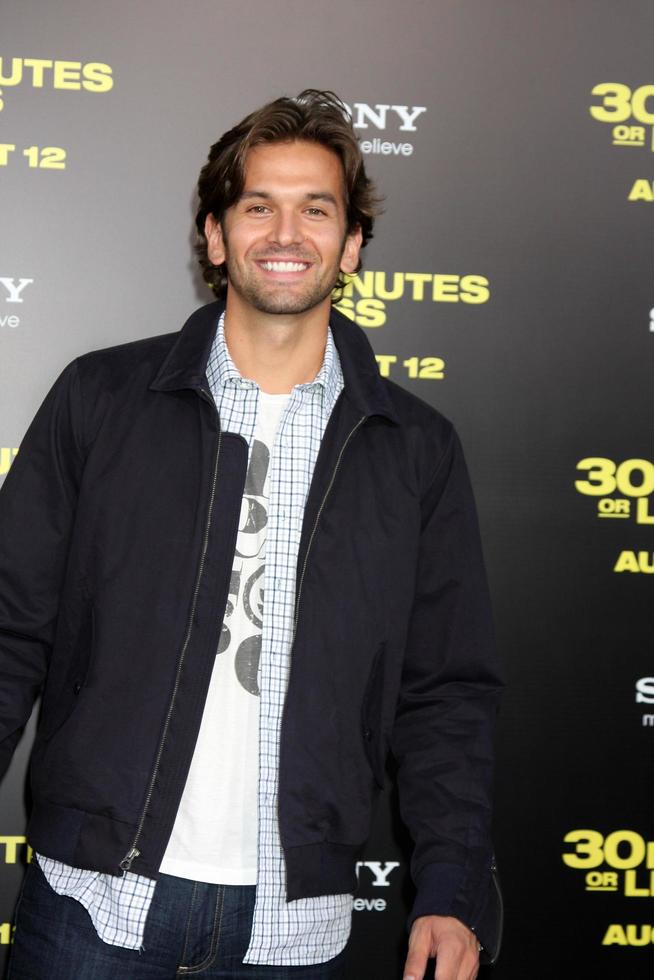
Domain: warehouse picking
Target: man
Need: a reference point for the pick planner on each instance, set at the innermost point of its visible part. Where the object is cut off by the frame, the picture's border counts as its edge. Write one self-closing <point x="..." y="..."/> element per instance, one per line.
<point x="199" y="812"/>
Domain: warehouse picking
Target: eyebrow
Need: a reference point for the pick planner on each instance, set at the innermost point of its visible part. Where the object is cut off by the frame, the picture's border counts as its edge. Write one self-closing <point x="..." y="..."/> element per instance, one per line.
<point x="314" y="196"/>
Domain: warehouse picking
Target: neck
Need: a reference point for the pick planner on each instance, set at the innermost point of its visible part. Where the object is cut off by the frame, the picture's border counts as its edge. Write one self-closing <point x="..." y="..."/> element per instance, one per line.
<point x="278" y="351"/>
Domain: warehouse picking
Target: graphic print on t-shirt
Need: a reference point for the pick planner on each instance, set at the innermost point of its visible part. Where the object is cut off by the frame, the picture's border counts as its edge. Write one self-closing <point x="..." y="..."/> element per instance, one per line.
<point x="245" y="602"/>
<point x="214" y="837"/>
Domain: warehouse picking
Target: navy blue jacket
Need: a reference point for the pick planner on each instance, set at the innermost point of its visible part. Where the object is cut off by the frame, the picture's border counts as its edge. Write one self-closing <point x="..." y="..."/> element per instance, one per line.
<point x="118" y="523"/>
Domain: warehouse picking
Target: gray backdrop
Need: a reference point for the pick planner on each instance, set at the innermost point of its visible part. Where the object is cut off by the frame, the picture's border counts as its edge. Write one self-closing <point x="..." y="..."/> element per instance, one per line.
<point x="516" y="243"/>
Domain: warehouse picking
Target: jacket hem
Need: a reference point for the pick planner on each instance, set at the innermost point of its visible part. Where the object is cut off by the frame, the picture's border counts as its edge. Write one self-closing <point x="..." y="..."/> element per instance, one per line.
<point x="321" y="869"/>
<point x="91" y="841"/>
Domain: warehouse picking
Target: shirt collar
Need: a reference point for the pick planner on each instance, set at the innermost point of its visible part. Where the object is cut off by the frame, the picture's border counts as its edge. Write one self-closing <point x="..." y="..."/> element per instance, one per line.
<point x="222" y="371"/>
<point x="187" y="355"/>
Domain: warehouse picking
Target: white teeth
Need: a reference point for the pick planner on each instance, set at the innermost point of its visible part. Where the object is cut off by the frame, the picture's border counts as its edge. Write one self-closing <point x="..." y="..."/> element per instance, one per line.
<point x="284" y="266"/>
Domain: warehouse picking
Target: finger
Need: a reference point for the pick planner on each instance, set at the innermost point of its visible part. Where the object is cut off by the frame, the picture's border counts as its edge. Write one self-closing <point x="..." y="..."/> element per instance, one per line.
<point x="416" y="961"/>
<point x="474" y="971"/>
<point x="448" y="960"/>
<point x="469" y="968"/>
<point x="415" y="966"/>
<point x="456" y="961"/>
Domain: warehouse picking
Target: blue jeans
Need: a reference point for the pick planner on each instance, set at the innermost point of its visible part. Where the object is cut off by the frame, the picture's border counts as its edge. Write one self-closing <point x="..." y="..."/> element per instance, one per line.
<point x="192" y="929"/>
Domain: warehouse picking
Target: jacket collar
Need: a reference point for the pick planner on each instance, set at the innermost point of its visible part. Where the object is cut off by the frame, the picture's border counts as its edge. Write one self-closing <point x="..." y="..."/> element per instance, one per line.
<point x="186" y="363"/>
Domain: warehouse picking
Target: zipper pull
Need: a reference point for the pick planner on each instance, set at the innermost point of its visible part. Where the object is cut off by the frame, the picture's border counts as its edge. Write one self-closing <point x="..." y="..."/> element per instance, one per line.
<point x="131" y="855"/>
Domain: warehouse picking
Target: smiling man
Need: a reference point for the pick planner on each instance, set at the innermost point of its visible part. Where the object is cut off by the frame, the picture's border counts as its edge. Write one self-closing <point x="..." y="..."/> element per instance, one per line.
<point x="285" y="246"/>
<point x="244" y="568"/>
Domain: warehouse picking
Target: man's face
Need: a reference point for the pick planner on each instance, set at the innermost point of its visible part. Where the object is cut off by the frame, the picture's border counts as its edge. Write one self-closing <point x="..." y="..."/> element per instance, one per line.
<point x="284" y="241"/>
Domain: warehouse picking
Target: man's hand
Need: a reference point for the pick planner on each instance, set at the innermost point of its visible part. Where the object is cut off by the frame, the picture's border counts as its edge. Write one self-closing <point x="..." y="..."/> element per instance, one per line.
<point x="455" y="947"/>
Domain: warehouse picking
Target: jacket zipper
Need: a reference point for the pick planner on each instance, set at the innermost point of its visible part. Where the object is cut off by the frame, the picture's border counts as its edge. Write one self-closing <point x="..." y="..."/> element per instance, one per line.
<point x="133" y="851"/>
<point x="315" y="525"/>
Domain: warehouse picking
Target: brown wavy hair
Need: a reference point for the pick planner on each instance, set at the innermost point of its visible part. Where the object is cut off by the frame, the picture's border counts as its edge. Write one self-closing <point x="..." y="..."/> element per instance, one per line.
<point x="315" y="116"/>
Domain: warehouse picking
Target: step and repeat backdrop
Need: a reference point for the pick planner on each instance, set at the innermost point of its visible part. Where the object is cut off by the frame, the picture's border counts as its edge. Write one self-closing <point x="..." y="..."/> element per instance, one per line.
<point x="510" y="283"/>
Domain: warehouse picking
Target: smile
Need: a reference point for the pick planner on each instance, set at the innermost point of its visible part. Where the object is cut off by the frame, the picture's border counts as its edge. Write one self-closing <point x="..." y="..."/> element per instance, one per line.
<point x="285" y="266"/>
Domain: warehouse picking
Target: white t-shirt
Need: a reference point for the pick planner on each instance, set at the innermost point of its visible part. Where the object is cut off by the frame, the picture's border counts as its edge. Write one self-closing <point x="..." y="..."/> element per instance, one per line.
<point x="214" y="838"/>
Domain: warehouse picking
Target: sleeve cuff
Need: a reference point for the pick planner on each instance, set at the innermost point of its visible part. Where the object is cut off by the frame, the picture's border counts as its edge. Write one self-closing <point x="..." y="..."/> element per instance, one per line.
<point x="439" y="893"/>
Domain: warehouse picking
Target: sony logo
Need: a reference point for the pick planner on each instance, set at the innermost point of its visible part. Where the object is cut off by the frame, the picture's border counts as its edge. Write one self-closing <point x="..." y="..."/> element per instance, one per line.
<point x="14" y="288"/>
<point x="645" y="690"/>
<point x="364" y="115"/>
<point x="379" y="873"/>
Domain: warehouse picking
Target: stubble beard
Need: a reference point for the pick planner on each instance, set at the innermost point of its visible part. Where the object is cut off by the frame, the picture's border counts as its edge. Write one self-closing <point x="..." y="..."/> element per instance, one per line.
<point x="276" y="299"/>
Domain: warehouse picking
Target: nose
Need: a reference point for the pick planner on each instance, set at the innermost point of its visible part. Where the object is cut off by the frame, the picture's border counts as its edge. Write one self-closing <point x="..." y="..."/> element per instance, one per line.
<point x="286" y="229"/>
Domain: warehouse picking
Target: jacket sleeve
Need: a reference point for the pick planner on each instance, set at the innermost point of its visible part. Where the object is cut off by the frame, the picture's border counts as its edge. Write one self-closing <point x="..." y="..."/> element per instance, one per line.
<point x="442" y="733"/>
<point x="37" y="508"/>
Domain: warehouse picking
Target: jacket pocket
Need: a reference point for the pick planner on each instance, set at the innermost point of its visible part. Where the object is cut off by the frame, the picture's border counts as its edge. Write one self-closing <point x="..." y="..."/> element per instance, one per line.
<point x="57" y="713"/>
<point x="374" y="742"/>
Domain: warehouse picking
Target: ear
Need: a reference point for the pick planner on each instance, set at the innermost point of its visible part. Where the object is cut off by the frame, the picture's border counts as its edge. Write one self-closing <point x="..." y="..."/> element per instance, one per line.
<point x="215" y="241"/>
<point x="350" y="256"/>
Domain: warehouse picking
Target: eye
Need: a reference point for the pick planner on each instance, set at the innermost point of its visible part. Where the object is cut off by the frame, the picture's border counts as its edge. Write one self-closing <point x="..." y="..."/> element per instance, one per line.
<point x="316" y="212"/>
<point x="258" y="209"/>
